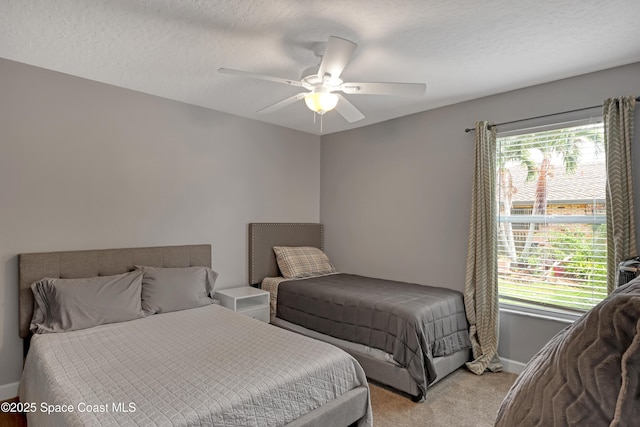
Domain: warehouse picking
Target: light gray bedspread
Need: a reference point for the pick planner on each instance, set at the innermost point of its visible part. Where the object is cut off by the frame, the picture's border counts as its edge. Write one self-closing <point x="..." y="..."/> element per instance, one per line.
<point x="587" y="375"/>
<point x="412" y="322"/>
<point x="204" y="366"/>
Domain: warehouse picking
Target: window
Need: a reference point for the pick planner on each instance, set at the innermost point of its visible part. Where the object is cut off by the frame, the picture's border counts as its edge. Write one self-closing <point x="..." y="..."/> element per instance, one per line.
<point x="552" y="251"/>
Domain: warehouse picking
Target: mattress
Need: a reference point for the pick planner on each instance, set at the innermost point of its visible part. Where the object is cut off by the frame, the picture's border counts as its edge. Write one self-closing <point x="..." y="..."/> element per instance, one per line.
<point x="204" y="366"/>
<point x="413" y="323"/>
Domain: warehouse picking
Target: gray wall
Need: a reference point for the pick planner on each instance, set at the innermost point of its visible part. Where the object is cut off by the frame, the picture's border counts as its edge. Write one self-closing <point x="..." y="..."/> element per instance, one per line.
<point x="85" y="165"/>
<point x="395" y="196"/>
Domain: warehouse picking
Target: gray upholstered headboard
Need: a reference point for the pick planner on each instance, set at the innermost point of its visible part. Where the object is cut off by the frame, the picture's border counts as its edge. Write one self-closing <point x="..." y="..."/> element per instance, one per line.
<point x="264" y="236"/>
<point x="103" y="262"/>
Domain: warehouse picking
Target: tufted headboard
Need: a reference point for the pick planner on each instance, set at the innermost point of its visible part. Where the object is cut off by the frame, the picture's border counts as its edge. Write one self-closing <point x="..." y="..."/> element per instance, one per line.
<point x="264" y="236"/>
<point x="102" y="262"/>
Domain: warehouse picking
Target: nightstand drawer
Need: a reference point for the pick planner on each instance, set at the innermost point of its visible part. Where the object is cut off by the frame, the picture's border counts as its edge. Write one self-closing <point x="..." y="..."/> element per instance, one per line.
<point x="261" y="313"/>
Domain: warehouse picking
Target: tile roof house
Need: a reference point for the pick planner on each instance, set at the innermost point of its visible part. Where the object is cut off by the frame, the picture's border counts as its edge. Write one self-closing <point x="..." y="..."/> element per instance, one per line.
<point x="567" y="193"/>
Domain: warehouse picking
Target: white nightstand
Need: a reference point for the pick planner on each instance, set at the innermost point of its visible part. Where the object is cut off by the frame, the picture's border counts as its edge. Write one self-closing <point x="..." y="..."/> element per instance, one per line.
<point x="249" y="301"/>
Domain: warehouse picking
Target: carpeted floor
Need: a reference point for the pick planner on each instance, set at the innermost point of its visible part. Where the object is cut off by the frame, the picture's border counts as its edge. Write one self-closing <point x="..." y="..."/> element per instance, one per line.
<point x="461" y="399"/>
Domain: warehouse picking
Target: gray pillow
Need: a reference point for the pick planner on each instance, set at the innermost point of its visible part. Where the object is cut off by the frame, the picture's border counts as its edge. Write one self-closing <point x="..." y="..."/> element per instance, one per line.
<point x="172" y="289"/>
<point x="69" y="304"/>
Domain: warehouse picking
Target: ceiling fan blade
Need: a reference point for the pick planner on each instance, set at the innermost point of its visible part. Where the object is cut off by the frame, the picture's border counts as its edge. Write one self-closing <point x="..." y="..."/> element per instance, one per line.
<point x="400" y="89"/>
<point x="348" y="110"/>
<point x="260" y="76"/>
<point x="336" y="57"/>
<point x="281" y="104"/>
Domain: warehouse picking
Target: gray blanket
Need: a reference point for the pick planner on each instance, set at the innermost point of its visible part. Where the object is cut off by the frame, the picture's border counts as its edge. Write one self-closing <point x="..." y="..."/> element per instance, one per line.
<point x="414" y="323"/>
<point x="587" y="375"/>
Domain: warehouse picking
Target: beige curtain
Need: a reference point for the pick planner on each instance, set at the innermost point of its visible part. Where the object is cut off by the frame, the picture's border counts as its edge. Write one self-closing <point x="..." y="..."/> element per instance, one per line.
<point x="618" y="116"/>
<point x="481" y="283"/>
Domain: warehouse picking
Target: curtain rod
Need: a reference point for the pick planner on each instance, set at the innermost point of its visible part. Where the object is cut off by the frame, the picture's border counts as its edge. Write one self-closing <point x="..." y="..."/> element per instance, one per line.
<point x="542" y="117"/>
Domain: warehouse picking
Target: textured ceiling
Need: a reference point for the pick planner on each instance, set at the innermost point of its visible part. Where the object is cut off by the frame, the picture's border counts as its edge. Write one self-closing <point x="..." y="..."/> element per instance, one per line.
<point x="462" y="49"/>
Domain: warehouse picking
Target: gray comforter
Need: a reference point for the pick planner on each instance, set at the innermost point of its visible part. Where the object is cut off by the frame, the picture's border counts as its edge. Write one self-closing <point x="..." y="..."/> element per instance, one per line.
<point x="414" y="323"/>
<point x="588" y="374"/>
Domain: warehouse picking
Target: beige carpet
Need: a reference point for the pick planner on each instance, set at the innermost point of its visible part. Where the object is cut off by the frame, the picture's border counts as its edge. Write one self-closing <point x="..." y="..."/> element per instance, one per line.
<point x="461" y="399"/>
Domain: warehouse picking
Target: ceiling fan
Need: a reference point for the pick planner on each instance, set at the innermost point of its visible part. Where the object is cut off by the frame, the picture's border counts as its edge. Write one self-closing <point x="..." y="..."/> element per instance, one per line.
<point x="323" y="80"/>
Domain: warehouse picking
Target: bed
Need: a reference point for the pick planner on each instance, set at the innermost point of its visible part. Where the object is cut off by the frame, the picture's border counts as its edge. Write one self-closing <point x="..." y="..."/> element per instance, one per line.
<point x="409" y="337"/>
<point x="588" y="374"/>
<point x="199" y="366"/>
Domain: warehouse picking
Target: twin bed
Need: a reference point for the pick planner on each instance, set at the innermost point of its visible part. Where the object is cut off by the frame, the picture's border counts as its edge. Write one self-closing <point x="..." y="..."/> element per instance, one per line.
<point x="199" y="366"/>
<point x="406" y="336"/>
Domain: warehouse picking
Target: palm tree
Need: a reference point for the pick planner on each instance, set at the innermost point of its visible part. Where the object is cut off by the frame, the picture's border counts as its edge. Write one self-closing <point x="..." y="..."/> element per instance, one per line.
<point x="517" y="151"/>
<point x="509" y="154"/>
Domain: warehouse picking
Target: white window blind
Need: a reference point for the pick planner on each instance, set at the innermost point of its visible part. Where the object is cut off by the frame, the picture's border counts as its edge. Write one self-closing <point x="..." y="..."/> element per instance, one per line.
<point x="551" y="217"/>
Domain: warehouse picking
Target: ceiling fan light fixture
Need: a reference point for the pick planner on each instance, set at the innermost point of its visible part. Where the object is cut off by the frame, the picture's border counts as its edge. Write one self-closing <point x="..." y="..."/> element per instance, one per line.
<point x="320" y="81"/>
<point x="321" y="102"/>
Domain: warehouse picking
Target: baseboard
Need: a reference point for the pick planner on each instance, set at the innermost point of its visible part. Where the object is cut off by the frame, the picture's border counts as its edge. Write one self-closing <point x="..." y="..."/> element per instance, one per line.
<point x="512" y="366"/>
<point x="9" y="391"/>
